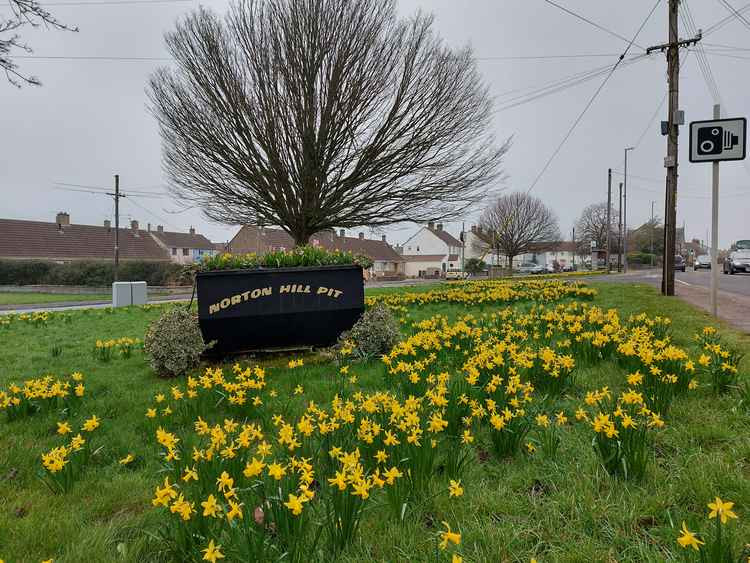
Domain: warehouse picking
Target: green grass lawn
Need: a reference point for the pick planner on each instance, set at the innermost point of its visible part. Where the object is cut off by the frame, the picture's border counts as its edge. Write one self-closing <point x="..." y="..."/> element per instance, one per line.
<point x="561" y="509"/>
<point x="31" y="298"/>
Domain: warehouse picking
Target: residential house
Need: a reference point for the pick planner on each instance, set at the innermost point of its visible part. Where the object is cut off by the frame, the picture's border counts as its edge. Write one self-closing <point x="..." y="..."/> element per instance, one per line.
<point x="431" y="252"/>
<point x="63" y="241"/>
<point x="548" y="253"/>
<point x="544" y="253"/>
<point x="183" y="248"/>
<point x="386" y="262"/>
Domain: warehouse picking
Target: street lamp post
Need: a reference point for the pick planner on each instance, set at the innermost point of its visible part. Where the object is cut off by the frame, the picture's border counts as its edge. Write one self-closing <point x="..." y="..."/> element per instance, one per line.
<point x="625" y="211"/>
<point x="652" y="233"/>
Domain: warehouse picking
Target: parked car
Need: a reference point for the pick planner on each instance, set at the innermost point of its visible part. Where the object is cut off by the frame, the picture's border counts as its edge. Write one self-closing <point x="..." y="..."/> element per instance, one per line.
<point x="568" y="268"/>
<point x="737" y="261"/>
<point x="702" y="261"/>
<point x="531" y="268"/>
<point x="456" y="275"/>
<point x="679" y="263"/>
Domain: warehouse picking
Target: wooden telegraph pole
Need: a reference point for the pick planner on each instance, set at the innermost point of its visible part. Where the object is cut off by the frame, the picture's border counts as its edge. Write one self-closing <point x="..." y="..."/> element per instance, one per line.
<point x="670" y="162"/>
<point x="609" y="219"/>
<point x="117" y="196"/>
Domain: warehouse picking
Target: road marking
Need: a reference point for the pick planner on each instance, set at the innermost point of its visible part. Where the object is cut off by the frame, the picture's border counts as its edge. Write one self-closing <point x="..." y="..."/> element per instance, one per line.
<point x="683" y="282"/>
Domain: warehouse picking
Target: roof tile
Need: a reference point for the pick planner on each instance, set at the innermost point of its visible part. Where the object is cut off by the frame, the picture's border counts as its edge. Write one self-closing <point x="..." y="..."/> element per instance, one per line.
<point x="39" y="240"/>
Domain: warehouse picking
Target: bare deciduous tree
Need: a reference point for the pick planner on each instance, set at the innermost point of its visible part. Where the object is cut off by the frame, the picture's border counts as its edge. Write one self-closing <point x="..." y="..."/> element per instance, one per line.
<point x="313" y="114"/>
<point x="516" y="224"/>
<point x="592" y="226"/>
<point x="23" y="13"/>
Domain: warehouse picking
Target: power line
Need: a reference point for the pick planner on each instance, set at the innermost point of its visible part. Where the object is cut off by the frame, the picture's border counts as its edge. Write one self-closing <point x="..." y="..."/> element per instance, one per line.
<point x="170" y="59"/>
<point x="90" y="58"/>
<point x="561" y="85"/>
<point x="735" y="13"/>
<point x="658" y="181"/>
<point x="113" y="3"/>
<point x="596" y="25"/>
<point x="164" y="221"/>
<point x="650" y="121"/>
<point x="703" y="64"/>
<point x="593" y="98"/>
<point x="724" y="21"/>
<point x="727" y="55"/>
<point x="726" y="47"/>
<point x="103" y="189"/>
<point x="546" y="57"/>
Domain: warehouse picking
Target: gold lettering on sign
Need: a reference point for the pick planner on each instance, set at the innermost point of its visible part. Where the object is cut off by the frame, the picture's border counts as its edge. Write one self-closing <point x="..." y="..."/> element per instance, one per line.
<point x="322" y="290"/>
<point x="239" y="298"/>
<point x="232" y="300"/>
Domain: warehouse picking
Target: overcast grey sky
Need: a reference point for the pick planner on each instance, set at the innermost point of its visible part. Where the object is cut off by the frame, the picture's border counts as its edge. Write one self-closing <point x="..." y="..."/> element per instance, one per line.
<point x="89" y="119"/>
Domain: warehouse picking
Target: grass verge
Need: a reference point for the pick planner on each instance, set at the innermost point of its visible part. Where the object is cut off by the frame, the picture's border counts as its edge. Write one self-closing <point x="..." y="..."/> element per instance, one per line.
<point x="562" y="509"/>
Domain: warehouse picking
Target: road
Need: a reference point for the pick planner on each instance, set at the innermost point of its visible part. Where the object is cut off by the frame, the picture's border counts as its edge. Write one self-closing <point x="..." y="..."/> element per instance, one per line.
<point x="738" y="284"/>
<point x="694" y="287"/>
<point x="67" y="306"/>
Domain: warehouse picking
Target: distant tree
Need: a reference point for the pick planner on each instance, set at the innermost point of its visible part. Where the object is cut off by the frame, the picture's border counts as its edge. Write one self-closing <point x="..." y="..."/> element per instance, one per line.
<point x="475" y="265"/>
<point x="641" y="239"/>
<point x="23" y="13"/>
<point x="316" y="114"/>
<point x="592" y="226"/>
<point x="517" y="223"/>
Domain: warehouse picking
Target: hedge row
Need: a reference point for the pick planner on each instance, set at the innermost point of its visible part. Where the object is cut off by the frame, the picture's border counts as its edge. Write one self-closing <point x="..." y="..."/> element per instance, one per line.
<point x="92" y="274"/>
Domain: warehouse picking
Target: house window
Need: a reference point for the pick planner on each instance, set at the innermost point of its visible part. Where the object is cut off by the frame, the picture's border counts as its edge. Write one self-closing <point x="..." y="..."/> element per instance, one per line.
<point x="186" y="252"/>
<point x="174" y="252"/>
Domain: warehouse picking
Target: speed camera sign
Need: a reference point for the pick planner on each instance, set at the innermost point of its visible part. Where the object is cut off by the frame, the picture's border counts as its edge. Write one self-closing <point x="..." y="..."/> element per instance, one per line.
<point x="719" y="139"/>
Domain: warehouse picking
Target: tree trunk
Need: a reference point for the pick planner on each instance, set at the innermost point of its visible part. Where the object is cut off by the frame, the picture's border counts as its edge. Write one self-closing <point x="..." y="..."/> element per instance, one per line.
<point x="510" y="264"/>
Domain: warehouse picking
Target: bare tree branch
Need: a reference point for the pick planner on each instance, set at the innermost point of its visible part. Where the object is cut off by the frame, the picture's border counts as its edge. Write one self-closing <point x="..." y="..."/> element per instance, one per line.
<point x="516" y="224"/>
<point x="314" y="114"/>
<point x="23" y="13"/>
<point x="592" y="226"/>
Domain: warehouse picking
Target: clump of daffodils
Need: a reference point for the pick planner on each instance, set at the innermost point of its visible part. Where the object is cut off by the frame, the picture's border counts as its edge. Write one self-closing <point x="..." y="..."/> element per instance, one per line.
<point x="64" y="464"/>
<point x="41" y="395"/>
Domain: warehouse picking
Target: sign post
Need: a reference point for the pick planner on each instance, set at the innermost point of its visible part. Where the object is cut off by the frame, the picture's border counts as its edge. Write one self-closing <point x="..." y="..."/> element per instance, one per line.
<point x="714" y="141"/>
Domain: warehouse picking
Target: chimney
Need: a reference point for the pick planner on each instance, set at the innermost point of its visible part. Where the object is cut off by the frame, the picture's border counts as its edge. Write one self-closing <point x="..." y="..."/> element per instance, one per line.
<point x="439" y="226"/>
<point x="192" y="230"/>
<point x="159" y="229"/>
<point x="62" y="219"/>
<point x="383" y="237"/>
<point x="134" y="225"/>
<point x="108" y="224"/>
<point x="148" y="227"/>
<point x="431" y="225"/>
<point x="361" y="236"/>
<point x="342" y="233"/>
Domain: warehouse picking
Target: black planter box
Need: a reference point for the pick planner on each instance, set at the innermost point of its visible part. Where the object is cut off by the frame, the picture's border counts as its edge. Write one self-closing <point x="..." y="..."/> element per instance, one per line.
<point x="271" y="308"/>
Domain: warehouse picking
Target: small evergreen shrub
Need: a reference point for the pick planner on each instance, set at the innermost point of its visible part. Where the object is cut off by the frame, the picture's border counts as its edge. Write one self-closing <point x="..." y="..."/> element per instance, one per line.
<point x="174" y="343"/>
<point x="375" y="333"/>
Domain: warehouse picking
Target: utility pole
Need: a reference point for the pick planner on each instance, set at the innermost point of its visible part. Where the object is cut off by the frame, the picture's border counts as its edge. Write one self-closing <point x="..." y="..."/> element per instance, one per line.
<point x="625" y="211"/>
<point x="619" y="235"/>
<point x="652" y="233"/>
<point x="670" y="162"/>
<point x="574" y="249"/>
<point x="463" y="245"/>
<point x="117" y="224"/>
<point x="609" y="219"/>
